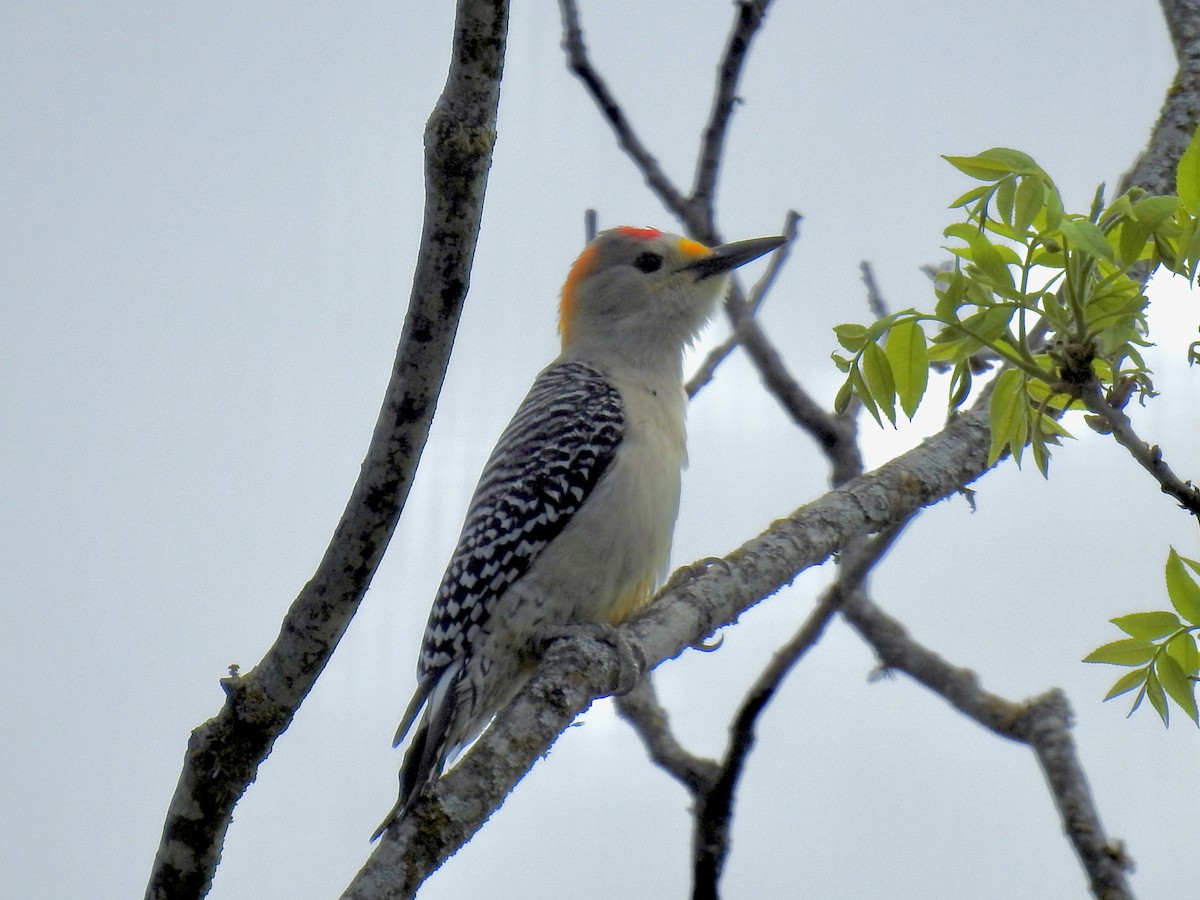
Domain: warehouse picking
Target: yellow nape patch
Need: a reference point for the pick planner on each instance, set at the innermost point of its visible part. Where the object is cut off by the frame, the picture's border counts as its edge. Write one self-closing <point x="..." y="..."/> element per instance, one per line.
<point x="632" y="602"/>
<point x="566" y="308"/>
<point x="693" y="248"/>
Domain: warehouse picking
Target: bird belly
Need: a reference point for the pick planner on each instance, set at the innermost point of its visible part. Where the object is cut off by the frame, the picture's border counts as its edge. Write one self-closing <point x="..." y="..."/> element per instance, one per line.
<point x="604" y="567"/>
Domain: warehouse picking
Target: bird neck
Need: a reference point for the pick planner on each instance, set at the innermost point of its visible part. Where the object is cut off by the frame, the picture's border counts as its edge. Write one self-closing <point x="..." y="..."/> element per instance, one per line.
<point x="636" y="360"/>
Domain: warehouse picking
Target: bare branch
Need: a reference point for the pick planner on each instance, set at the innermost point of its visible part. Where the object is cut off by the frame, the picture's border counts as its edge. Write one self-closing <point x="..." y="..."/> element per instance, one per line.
<point x="224" y="753"/>
<point x="1043" y="723"/>
<point x="640" y="707"/>
<point x="577" y="59"/>
<point x="875" y="301"/>
<point x="830" y="432"/>
<point x="695" y="212"/>
<point x="1154" y="170"/>
<point x="714" y="808"/>
<point x="1149" y="458"/>
<point x="750" y="14"/>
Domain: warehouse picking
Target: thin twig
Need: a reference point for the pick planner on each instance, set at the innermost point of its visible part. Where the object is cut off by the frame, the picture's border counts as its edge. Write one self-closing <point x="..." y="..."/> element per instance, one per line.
<point x="1148" y="457"/>
<point x="579" y="63"/>
<point x="796" y="402"/>
<point x="640" y="707"/>
<point x="750" y="14"/>
<point x="875" y="301"/>
<point x="714" y="808"/>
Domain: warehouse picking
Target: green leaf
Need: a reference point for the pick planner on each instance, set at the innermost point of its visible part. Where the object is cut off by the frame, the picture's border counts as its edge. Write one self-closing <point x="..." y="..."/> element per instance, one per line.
<point x="1006" y="412"/>
<point x="907" y="354"/>
<point x="1127" y="652"/>
<point x="1053" y="207"/>
<point x="1006" y="195"/>
<point x="1153" y="211"/>
<point x="842" y="401"/>
<point x="880" y="327"/>
<point x="878" y="374"/>
<point x="1148" y="626"/>
<point x="1127" y="683"/>
<point x="994" y="164"/>
<point x="971" y="196"/>
<point x="864" y="394"/>
<point x="1189" y="249"/>
<point x="1087" y="237"/>
<point x="960" y="384"/>
<point x="1031" y="196"/>
<point x="1121" y="208"/>
<point x="951" y="293"/>
<point x="1182" y="589"/>
<point x="1154" y="693"/>
<point x="1187" y="176"/>
<point x="1182" y="648"/>
<point x="1130" y="238"/>
<point x="1191" y="564"/>
<point x="1041" y="456"/>
<point x="1178" y="686"/>
<point x="851" y="336"/>
<point x="1097" y="204"/>
<point x="841" y="362"/>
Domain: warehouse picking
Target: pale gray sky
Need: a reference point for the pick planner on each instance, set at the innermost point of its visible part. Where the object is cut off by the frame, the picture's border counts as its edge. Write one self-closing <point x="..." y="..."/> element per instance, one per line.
<point x="209" y="220"/>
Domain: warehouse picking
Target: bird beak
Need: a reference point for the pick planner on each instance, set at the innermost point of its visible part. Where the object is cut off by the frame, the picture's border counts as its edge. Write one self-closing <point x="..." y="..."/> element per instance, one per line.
<point x="727" y="257"/>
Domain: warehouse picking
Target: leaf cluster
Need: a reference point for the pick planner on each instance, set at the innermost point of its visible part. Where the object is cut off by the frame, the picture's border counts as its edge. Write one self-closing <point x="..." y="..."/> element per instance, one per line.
<point x="1160" y="649"/>
<point x="1058" y="298"/>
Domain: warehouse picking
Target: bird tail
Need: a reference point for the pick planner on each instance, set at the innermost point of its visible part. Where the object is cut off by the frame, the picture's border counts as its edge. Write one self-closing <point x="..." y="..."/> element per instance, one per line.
<point x="431" y="743"/>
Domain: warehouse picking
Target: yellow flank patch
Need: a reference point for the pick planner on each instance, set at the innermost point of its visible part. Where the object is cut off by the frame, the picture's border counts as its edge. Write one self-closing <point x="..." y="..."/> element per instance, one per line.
<point x="566" y="309"/>
<point x="693" y="248"/>
<point x="632" y="602"/>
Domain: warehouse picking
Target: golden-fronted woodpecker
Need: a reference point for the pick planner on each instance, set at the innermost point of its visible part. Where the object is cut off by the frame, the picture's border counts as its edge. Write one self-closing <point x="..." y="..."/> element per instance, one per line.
<point x="572" y="519"/>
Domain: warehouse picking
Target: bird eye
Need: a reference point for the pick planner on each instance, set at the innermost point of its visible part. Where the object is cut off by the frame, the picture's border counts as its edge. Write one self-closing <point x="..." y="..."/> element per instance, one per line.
<point x="649" y="262"/>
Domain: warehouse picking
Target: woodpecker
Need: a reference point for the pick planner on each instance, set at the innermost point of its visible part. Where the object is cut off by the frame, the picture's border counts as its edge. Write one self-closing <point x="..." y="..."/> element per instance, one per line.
<point x="572" y="519"/>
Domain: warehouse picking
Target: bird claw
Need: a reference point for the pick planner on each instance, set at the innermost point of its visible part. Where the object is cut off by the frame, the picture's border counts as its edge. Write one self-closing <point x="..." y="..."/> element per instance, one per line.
<point x="685" y="574"/>
<point x="630" y="659"/>
<point x="709" y="646"/>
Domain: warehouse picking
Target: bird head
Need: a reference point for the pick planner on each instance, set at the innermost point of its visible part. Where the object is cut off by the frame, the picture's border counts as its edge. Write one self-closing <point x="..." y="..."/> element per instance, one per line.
<point x="644" y="293"/>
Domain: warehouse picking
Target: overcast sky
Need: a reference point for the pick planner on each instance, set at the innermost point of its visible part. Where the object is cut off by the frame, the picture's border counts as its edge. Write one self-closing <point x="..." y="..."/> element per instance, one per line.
<point x="209" y="218"/>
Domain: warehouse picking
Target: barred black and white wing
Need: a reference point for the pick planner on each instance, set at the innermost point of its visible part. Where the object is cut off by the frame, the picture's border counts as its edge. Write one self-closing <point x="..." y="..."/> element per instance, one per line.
<point x="558" y="445"/>
<point x="546" y="463"/>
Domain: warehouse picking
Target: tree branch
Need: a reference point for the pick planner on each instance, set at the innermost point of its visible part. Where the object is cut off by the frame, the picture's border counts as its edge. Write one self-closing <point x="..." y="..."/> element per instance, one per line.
<point x="1149" y="458"/>
<point x="640" y="707"/>
<point x="1043" y="723"/>
<point x="875" y="301"/>
<point x="1154" y="170"/>
<point x="714" y="807"/>
<point x="575" y="672"/>
<point x="224" y="754"/>
<point x="750" y="15"/>
<point x="577" y="60"/>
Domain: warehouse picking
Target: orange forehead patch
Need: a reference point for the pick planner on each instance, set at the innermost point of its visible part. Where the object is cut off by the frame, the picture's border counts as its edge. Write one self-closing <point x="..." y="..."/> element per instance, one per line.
<point x="693" y="248"/>
<point x="579" y="271"/>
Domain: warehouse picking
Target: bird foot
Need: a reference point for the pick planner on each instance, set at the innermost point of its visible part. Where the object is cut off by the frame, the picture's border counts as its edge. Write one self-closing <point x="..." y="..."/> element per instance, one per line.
<point x="688" y="573"/>
<point x="691" y="572"/>
<point x="632" y="664"/>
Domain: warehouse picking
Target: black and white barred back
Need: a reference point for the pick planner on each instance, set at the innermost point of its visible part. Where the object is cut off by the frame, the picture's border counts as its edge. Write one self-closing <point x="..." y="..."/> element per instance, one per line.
<point x="546" y="463"/>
